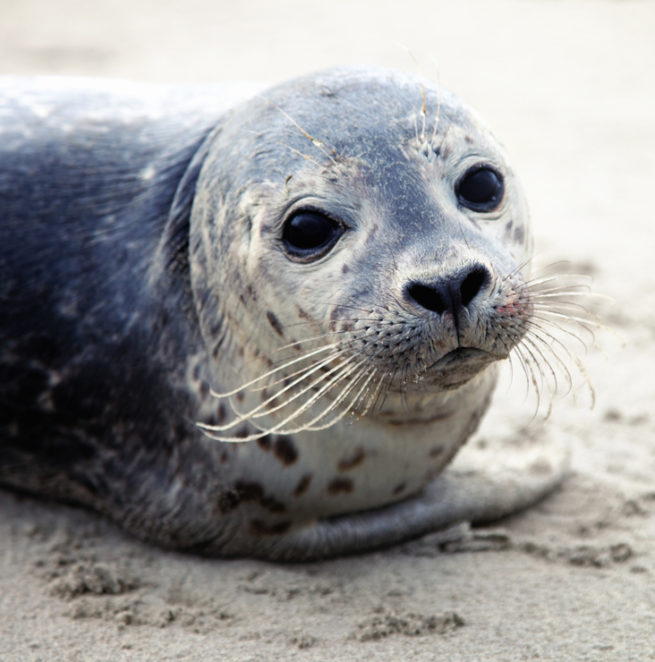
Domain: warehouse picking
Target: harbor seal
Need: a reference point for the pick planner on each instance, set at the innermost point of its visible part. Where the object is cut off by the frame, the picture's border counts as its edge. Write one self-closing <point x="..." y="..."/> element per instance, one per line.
<point x="261" y="330"/>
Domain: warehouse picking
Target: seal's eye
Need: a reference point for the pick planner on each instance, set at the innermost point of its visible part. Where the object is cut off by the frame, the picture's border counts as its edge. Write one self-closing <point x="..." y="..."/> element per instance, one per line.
<point x="480" y="189"/>
<point x="310" y="234"/>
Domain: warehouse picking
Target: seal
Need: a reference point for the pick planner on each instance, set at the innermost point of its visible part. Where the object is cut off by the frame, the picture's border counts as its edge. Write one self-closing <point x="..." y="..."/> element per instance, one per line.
<point x="261" y="329"/>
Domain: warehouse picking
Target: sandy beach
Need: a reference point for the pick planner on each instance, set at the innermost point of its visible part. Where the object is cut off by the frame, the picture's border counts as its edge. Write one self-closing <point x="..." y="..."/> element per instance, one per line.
<point x="568" y="87"/>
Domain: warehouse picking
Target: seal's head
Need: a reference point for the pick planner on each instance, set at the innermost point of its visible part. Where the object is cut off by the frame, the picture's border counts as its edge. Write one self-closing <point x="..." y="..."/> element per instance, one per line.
<point x="375" y="232"/>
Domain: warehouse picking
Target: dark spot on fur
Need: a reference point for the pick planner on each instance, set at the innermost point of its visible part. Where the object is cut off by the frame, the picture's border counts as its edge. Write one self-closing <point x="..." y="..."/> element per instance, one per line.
<point x="251" y="293"/>
<point x="347" y="463"/>
<point x="345" y="269"/>
<point x="242" y="432"/>
<point x="220" y="414"/>
<point x="204" y="389"/>
<point x="265" y="442"/>
<point x="249" y="491"/>
<point x="275" y="323"/>
<point x="262" y="528"/>
<point x="196" y="371"/>
<point x="436" y="451"/>
<point x="240" y="396"/>
<point x="285" y="450"/>
<point x="519" y="235"/>
<point x="228" y="501"/>
<point x="224" y="457"/>
<point x="399" y="488"/>
<point x="508" y="229"/>
<point x="179" y="432"/>
<point x="246" y="491"/>
<point x="371" y="235"/>
<point x="303" y="484"/>
<point x="468" y="139"/>
<point x="340" y="485"/>
<point x="303" y="314"/>
<point x="348" y="326"/>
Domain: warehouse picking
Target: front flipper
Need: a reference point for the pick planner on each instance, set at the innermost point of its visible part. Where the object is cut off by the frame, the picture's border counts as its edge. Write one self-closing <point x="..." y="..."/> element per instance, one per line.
<point x="487" y="481"/>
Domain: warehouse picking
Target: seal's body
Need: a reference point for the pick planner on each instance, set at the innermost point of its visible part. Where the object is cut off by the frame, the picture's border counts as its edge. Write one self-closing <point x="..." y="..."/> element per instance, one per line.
<point x="326" y="274"/>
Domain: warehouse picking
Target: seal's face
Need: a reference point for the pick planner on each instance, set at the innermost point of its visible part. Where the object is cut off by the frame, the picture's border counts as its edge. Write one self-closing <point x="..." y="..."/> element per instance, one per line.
<point x="382" y="252"/>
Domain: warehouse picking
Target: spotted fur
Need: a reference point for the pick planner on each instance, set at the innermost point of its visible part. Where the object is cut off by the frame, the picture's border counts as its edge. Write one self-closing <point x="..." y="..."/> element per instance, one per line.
<point x="155" y="318"/>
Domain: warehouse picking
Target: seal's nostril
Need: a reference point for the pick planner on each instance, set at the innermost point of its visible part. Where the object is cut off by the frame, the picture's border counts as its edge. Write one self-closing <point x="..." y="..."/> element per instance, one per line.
<point x="472" y="284"/>
<point x="451" y="293"/>
<point x="429" y="297"/>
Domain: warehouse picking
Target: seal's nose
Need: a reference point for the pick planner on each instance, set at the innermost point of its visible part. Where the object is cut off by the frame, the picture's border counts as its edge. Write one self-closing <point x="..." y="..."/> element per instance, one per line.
<point x="451" y="293"/>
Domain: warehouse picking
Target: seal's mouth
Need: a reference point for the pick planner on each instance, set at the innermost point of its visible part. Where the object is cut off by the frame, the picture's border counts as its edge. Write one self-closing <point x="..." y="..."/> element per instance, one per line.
<point x="460" y="356"/>
<point x="458" y="366"/>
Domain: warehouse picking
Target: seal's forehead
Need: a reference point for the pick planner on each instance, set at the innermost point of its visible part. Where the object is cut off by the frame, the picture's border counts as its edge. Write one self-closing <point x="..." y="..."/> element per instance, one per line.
<point x="368" y="118"/>
<point x="351" y="102"/>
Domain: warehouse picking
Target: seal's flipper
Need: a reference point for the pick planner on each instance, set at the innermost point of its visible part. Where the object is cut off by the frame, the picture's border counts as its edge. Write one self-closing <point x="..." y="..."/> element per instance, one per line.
<point x="486" y="483"/>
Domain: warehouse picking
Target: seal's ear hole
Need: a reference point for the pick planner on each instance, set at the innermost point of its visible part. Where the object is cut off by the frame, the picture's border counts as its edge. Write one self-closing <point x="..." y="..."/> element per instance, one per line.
<point x="480" y="189"/>
<point x="308" y="235"/>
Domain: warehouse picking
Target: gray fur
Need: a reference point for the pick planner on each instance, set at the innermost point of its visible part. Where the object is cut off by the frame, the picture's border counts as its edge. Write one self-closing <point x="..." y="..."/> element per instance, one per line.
<point x="142" y="268"/>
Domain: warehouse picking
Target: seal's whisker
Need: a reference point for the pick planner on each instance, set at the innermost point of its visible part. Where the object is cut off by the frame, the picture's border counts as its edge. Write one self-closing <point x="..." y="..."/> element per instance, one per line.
<point x="527" y="361"/>
<point x="521" y="360"/>
<point x="279" y="428"/>
<point x="328" y="151"/>
<point x="584" y="332"/>
<point x="416" y="135"/>
<point x="357" y="406"/>
<point x="518" y="269"/>
<point x="570" y="355"/>
<point x="556" y="293"/>
<point x="284" y="379"/>
<point x="306" y="389"/>
<point x="304" y="341"/>
<point x="373" y="320"/>
<point x="304" y="156"/>
<point x="286" y="376"/>
<point x="349" y="306"/>
<point x="372" y="398"/>
<point x="562" y="323"/>
<point x="245" y="386"/>
<point x="566" y="308"/>
<point x="304" y="374"/>
<point x="424" y="104"/>
<point x="530" y="351"/>
<point x="438" y="114"/>
<point x="510" y="363"/>
<point x="569" y="311"/>
<point x="561" y="280"/>
<point x="544" y="337"/>
<point x="345" y="410"/>
<point x="530" y="341"/>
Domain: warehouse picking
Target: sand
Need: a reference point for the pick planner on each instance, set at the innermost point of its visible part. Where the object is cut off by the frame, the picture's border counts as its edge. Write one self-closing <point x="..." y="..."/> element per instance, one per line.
<point x="569" y="88"/>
